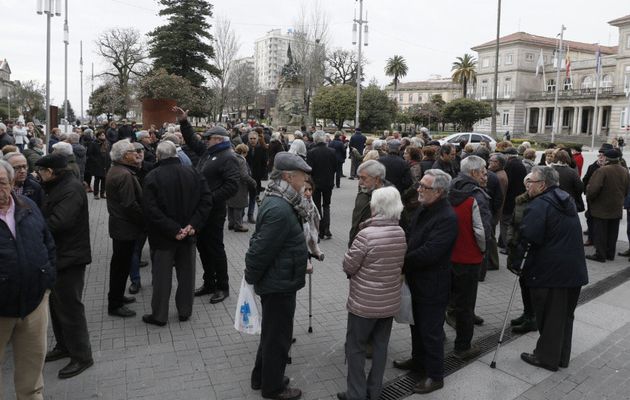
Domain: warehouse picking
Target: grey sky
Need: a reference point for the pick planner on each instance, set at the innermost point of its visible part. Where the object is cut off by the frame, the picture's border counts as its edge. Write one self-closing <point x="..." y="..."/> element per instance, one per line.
<point x="429" y="34"/>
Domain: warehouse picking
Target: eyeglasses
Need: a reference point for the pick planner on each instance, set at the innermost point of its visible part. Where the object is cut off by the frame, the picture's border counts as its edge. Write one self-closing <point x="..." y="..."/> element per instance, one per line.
<point x="20" y="167"/>
<point x="534" y="181"/>
<point x="135" y="151"/>
<point x="424" y="187"/>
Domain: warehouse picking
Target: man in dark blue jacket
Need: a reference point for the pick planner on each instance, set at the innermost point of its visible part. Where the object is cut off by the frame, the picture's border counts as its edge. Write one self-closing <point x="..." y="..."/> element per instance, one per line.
<point x="324" y="163"/>
<point x="340" y="152"/>
<point x="357" y="141"/>
<point x="27" y="273"/>
<point x="431" y="236"/>
<point x="555" y="269"/>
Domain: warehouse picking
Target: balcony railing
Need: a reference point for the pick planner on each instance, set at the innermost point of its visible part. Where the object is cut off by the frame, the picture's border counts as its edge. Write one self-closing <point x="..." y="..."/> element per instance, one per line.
<point x="584" y="93"/>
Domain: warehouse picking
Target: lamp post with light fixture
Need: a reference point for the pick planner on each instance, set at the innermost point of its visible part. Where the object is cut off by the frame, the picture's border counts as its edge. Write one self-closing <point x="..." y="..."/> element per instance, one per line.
<point x="362" y="29"/>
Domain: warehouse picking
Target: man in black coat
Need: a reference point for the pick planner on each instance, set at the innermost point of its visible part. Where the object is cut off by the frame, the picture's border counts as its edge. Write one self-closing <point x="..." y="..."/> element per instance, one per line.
<point x="340" y="151"/>
<point x="27" y="251"/>
<point x="555" y="269"/>
<point x="323" y="161"/>
<point x="126" y="131"/>
<point x="516" y="173"/>
<point x="446" y="160"/>
<point x="176" y="203"/>
<point x="66" y="212"/>
<point x="357" y="141"/>
<point x="431" y="236"/>
<point x="397" y="169"/>
<point x="218" y="164"/>
<point x="601" y="160"/>
<point x="257" y="160"/>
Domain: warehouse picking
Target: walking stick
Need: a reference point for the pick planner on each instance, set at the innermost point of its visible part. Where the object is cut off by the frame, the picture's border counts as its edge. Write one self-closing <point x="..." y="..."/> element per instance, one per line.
<point x="310" y="304"/>
<point x="516" y="271"/>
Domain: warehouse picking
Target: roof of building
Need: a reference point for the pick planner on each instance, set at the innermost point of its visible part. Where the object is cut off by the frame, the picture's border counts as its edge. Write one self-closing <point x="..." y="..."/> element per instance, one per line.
<point x="427" y="85"/>
<point x="620" y="21"/>
<point x="525" y="37"/>
<point x="4" y="65"/>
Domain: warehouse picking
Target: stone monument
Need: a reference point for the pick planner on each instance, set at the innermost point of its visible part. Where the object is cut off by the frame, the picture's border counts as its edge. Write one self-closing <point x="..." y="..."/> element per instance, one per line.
<point x="289" y="110"/>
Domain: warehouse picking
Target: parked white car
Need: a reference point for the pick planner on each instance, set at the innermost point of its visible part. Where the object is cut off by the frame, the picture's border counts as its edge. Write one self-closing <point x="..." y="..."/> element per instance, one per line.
<point x="470" y="137"/>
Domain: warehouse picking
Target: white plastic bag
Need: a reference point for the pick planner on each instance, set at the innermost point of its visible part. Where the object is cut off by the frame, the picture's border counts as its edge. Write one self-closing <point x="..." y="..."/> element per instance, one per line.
<point x="405" y="314"/>
<point x="247" y="318"/>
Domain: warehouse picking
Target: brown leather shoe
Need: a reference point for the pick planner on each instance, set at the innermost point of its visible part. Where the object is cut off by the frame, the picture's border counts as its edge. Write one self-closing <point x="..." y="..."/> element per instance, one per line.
<point x="286" y="394"/>
<point x="406" y="365"/>
<point x="428" y="385"/>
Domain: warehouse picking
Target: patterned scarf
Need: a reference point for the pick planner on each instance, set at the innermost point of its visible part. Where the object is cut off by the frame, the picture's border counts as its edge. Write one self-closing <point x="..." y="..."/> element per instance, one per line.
<point x="281" y="188"/>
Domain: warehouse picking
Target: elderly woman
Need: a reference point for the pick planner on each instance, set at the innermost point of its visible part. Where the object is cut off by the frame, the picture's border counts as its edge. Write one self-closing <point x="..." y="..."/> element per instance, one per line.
<point x="237" y="203"/>
<point x="298" y="147"/>
<point x="373" y="263"/>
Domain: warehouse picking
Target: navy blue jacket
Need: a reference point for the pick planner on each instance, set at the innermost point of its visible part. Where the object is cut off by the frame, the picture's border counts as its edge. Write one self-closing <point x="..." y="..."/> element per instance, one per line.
<point x="357" y="141"/>
<point x="431" y="237"/>
<point x="28" y="264"/>
<point x="340" y="149"/>
<point x="552" y="229"/>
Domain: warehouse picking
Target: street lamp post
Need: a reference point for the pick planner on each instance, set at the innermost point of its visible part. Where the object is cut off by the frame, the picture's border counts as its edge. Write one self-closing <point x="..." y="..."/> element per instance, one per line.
<point x="66" y="41"/>
<point x="556" y="118"/>
<point x="81" y="71"/>
<point x="50" y="8"/>
<point x="495" y="90"/>
<point x="361" y="30"/>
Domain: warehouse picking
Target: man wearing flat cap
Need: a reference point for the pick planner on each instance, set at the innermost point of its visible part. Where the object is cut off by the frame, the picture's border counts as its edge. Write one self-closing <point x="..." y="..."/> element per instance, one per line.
<point x="601" y="159"/>
<point x="275" y="264"/>
<point x="219" y="166"/>
<point x="65" y="209"/>
<point x="605" y="193"/>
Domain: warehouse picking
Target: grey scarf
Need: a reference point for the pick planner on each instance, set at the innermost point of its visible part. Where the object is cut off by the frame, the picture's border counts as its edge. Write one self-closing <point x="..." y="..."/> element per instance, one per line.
<point x="281" y="188"/>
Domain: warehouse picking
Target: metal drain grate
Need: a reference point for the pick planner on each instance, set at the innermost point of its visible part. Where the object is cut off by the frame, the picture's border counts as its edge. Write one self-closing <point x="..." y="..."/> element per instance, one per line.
<point x="402" y="386"/>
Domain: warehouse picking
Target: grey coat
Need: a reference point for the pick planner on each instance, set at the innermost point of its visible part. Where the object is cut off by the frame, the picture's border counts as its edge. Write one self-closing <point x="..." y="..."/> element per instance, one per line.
<point x="246" y="182"/>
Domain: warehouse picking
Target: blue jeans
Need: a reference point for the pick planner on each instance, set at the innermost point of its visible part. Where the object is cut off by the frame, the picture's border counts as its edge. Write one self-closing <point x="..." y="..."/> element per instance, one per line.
<point x="134" y="272"/>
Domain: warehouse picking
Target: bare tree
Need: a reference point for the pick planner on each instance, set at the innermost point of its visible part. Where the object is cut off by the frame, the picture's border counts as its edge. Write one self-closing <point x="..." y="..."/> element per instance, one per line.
<point x="341" y="68"/>
<point x="243" y="88"/>
<point x="123" y="50"/>
<point x="226" y="46"/>
<point x="309" y="48"/>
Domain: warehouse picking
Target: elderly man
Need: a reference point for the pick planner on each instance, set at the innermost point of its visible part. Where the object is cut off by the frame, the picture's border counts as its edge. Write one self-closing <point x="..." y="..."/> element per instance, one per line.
<point x="66" y="212"/>
<point x="323" y="161"/>
<point x="144" y="138"/>
<point x="173" y="218"/>
<point x="357" y="142"/>
<point x="446" y="160"/>
<point x="24" y="183"/>
<point x="34" y="152"/>
<point x="79" y="152"/>
<point x="554" y="269"/>
<point x="431" y="236"/>
<point x="219" y="166"/>
<point x="28" y="269"/>
<point x="606" y="191"/>
<point x="126" y="224"/>
<point x="275" y="264"/>
<point x="5" y="138"/>
<point x="472" y="206"/>
<point x="397" y="169"/>
<point x="371" y="177"/>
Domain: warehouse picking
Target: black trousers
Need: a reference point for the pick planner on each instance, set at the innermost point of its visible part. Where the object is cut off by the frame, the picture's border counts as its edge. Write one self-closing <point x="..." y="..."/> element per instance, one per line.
<point x="322" y="197"/>
<point x="605" y="233"/>
<point x="68" y="314"/>
<point x="99" y="185"/>
<point x="119" y="268"/>
<point x="554" y="308"/>
<point x="338" y="173"/>
<point x="526" y="295"/>
<point x="429" y="296"/>
<point x="212" y="251"/>
<point x="278" y="310"/>
<point x="464" y="281"/>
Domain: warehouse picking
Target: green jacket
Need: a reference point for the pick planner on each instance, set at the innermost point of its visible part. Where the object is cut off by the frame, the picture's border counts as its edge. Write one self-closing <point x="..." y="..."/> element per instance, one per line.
<point x="520" y="204"/>
<point x="276" y="259"/>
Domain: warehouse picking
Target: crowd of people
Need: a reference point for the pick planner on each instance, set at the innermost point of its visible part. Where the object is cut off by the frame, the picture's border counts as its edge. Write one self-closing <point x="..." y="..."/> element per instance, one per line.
<point x="427" y="215"/>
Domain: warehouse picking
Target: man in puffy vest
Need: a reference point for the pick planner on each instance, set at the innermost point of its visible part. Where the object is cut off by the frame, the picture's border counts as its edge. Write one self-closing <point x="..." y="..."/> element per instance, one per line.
<point x="472" y="207"/>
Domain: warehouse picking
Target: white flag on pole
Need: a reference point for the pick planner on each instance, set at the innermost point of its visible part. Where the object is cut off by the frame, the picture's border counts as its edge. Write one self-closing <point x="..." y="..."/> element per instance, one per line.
<point x="541" y="63"/>
<point x="598" y="62"/>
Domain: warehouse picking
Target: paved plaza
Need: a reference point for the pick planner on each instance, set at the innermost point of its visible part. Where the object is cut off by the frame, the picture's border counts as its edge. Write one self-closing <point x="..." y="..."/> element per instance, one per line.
<point x="205" y="358"/>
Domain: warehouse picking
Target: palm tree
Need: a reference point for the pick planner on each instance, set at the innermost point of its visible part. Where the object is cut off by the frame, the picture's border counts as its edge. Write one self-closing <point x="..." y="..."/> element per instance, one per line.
<point x="396" y="67"/>
<point x="464" y="71"/>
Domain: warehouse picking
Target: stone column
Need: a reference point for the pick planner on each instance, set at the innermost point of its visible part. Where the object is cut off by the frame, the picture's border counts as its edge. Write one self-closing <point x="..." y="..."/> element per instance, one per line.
<point x="600" y="113"/>
<point x="560" y="118"/>
<point x="527" y="115"/>
<point x="579" y="123"/>
<point x="575" y="120"/>
<point x="543" y="118"/>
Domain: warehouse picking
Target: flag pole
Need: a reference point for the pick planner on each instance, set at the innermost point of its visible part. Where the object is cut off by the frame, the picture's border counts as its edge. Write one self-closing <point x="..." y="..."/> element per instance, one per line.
<point x="555" y="102"/>
<point x="598" y="73"/>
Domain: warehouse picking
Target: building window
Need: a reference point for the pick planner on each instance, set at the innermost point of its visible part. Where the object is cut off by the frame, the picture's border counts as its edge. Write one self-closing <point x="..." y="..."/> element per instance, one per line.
<point x="606" y="81"/>
<point x="485" y="63"/>
<point x="565" y="118"/>
<point x="507" y="87"/>
<point x="529" y="57"/>
<point x="628" y="42"/>
<point x="505" y="117"/>
<point x="568" y="85"/>
<point x="509" y="59"/>
<point x="551" y="85"/>
<point x="549" y="117"/>
<point x="484" y="89"/>
<point x="587" y="82"/>
<point x="400" y="98"/>
<point x="626" y="80"/>
<point x="411" y="97"/>
<point x="623" y="120"/>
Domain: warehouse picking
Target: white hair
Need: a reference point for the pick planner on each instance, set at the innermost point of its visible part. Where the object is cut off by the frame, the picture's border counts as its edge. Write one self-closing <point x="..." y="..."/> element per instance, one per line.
<point x="63" y="148"/>
<point x="142" y="134"/>
<point x="9" y="168"/>
<point x="13" y="154"/>
<point x="166" y="149"/>
<point x="319" y="137"/>
<point x="373" y="168"/>
<point x="298" y="147"/>
<point x="386" y="203"/>
<point x="472" y="163"/>
<point x="441" y="180"/>
<point x="73" y="138"/>
<point x="119" y="149"/>
<point x="378" y="144"/>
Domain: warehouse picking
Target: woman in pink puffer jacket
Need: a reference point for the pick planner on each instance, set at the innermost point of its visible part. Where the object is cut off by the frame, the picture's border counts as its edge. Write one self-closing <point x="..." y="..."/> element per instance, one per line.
<point x="373" y="264"/>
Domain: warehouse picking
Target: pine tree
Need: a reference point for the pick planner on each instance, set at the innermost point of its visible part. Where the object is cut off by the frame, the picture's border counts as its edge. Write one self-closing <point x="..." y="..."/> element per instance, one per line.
<point x="182" y="45"/>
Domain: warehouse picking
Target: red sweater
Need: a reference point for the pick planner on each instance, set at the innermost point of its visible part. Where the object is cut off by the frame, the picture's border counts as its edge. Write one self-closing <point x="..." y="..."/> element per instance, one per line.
<point x="466" y="249"/>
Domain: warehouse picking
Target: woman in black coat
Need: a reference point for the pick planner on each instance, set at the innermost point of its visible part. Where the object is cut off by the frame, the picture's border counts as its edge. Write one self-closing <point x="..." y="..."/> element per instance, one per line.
<point x="98" y="162"/>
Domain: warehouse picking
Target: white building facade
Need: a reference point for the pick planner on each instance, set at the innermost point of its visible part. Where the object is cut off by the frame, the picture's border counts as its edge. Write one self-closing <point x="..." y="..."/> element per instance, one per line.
<point x="270" y="55"/>
<point x="525" y="100"/>
<point x="5" y="79"/>
<point x="411" y="93"/>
